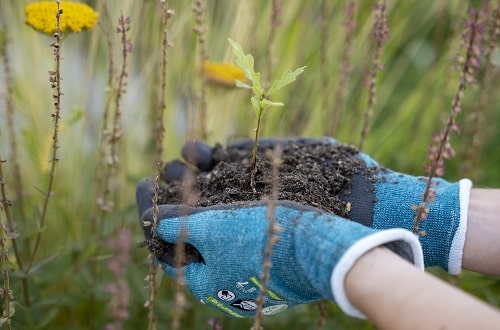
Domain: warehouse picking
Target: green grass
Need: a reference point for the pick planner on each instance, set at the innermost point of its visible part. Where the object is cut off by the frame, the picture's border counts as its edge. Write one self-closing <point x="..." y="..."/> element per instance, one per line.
<point x="414" y="91"/>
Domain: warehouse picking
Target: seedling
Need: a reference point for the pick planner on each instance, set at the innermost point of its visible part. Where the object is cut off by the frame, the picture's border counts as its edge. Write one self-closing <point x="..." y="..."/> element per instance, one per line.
<point x="260" y="99"/>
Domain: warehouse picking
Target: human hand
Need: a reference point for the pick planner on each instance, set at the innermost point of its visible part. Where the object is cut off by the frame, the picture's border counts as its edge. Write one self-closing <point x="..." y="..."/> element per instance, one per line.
<point x="375" y="197"/>
<point x="310" y="259"/>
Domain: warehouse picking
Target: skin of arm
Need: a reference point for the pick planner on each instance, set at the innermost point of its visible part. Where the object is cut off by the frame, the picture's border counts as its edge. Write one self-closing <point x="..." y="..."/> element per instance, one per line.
<point x="482" y="239"/>
<point x="394" y="294"/>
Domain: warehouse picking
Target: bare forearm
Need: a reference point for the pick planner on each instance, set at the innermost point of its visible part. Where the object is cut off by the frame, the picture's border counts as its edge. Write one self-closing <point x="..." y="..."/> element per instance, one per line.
<point x="482" y="240"/>
<point x="394" y="294"/>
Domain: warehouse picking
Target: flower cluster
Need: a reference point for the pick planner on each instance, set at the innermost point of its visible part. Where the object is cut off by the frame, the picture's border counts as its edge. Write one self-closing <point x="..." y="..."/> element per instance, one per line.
<point x="75" y="16"/>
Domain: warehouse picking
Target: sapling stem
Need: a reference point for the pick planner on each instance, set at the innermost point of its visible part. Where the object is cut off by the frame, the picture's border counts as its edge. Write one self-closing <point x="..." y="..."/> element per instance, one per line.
<point x="260" y="100"/>
<point x="256" y="141"/>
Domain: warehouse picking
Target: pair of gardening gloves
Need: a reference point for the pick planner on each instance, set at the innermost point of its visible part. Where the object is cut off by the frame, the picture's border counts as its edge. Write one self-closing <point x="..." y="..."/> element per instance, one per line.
<point x="315" y="249"/>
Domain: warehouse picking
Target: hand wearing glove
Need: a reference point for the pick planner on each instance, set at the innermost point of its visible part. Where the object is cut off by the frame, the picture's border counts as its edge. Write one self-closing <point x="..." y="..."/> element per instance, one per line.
<point x="315" y="251"/>
<point x="386" y="200"/>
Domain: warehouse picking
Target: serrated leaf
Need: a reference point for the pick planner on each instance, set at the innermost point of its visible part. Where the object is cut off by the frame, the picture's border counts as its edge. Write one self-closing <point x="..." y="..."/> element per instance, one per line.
<point x="287" y="78"/>
<point x="255" y="105"/>
<point x="244" y="61"/>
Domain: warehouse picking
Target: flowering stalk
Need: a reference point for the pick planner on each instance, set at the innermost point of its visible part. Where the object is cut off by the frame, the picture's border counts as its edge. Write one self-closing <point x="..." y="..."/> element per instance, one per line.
<point x="472" y="40"/>
<point x="5" y="292"/>
<point x="110" y="140"/>
<point x="273" y="229"/>
<point x="160" y="134"/>
<point x="274" y="24"/>
<point x="9" y="116"/>
<point x="380" y="34"/>
<point x="55" y="84"/>
<point x="120" y="246"/>
<point x="351" y="9"/>
<point x="101" y="174"/>
<point x="199" y="9"/>
<point x="477" y="136"/>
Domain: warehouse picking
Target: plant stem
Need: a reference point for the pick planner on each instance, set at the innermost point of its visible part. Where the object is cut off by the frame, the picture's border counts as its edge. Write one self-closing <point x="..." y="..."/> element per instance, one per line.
<point x="256" y="142"/>
<point x="160" y="135"/>
<point x="381" y="34"/>
<point x="199" y="9"/>
<point x="55" y="80"/>
<point x="273" y="230"/>
<point x="467" y="75"/>
<point x="5" y="292"/>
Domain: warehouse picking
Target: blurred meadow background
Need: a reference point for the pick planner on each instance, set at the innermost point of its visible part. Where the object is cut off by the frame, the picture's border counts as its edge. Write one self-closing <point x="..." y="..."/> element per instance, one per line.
<point x="76" y="262"/>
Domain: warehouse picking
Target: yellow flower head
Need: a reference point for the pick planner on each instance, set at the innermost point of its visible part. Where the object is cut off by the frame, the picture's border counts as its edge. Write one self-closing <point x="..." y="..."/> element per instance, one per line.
<point x="224" y="74"/>
<point x="75" y="16"/>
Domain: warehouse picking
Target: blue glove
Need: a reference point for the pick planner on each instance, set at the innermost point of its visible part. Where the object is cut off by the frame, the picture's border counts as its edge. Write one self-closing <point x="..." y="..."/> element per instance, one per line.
<point x="380" y="199"/>
<point x="314" y="252"/>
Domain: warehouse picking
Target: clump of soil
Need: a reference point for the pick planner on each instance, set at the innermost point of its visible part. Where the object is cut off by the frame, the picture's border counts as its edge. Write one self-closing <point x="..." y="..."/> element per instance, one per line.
<point x="312" y="172"/>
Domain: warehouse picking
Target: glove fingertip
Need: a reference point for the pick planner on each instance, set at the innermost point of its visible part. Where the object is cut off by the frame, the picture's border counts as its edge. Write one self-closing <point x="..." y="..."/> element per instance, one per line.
<point x="144" y="195"/>
<point x="174" y="171"/>
<point x="198" y="154"/>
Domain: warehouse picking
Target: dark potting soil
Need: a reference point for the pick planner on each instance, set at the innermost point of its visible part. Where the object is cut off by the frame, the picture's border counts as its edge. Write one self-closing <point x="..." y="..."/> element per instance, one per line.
<point x="313" y="172"/>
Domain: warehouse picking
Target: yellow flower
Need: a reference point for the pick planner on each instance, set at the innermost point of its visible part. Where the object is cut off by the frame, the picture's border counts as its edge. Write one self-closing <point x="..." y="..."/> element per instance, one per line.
<point x="224" y="74"/>
<point x="75" y="16"/>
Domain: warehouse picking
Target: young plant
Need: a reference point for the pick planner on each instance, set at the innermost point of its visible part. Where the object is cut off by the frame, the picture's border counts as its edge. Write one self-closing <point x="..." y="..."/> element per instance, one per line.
<point x="260" y="99"/>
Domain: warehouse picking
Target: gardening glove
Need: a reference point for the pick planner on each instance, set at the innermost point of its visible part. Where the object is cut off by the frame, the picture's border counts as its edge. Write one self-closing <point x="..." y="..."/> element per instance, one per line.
<point x="310" y="259"/>
<point x="378" y="198"/>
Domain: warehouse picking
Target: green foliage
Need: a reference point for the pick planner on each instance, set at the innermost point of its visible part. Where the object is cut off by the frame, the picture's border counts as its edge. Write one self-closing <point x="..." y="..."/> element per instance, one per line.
<point x="260" y="101"/>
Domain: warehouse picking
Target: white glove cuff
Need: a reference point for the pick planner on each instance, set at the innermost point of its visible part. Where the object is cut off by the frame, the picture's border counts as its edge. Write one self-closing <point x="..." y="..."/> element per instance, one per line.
<point x="400" y="238"/>
<point x="457" y="245"/>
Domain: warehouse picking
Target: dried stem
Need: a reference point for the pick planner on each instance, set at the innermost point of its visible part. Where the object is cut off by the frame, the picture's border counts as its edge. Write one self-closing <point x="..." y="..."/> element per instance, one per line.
<point x="9" y="116"/>
<point x="476" y="134"/>
<point x="323" y="50"/>
<point x="323" y="308"/>
<point x="188" y="198"/>
<point x="275" y="23"/>
<point x="380" y="34"/>
<point x="101" y="190"/>
<point x="160" y="136"/>
<point x="345" y="66"/>
<point x="55" y="83"/>
<point x="472" y="43"/>
<point x="199" y="9"/>
<point x="273" y="230"/>
<point x="10" y="125"/>
<point x="5" y="232"/>
<point x="123" y="28"/>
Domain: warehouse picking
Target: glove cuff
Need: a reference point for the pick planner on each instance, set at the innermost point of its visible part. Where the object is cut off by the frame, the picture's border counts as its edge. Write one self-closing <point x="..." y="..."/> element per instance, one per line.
<point x="457" y="245"/>
<point x="401" y="241"/>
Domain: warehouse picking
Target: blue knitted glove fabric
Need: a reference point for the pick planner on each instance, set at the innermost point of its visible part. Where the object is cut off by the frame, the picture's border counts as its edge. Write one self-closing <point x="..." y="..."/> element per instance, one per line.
<point x="395" y="196"/>
<point x="388" y="199"/>
<point x="444" y="229"/>
<point x="314" y="252"/>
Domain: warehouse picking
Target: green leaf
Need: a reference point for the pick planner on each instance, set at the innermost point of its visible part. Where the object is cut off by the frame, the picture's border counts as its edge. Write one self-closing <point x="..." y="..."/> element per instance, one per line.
<point x="286" y="79"/>
<point x="269" y="103"/>
<point x="241" y="84"/>
<point x="246" y="63"/>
